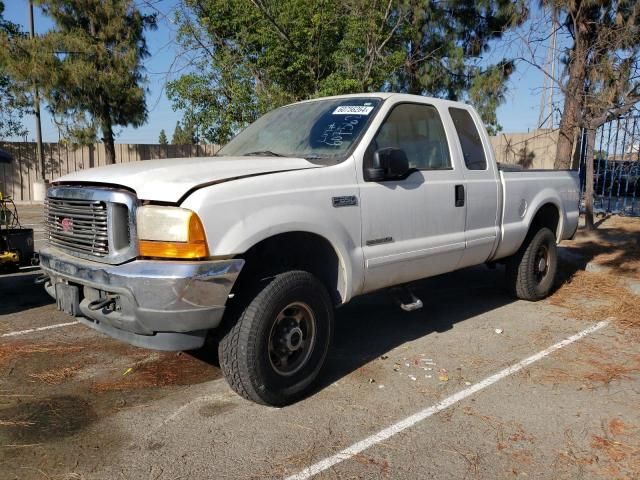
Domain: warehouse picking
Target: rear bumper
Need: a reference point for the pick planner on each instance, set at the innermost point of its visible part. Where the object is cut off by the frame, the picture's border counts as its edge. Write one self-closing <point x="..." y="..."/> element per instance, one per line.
<point x="164" y="305"/>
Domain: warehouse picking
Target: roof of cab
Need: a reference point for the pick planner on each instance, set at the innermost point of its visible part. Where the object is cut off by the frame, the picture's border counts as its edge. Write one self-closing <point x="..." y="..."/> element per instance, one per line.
<point x="384" y="95"/>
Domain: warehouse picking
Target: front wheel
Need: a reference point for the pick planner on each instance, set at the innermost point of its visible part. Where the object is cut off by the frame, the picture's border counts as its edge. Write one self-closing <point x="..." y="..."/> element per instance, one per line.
<point x="279" y="343"/>
<point x="532" y="270"/>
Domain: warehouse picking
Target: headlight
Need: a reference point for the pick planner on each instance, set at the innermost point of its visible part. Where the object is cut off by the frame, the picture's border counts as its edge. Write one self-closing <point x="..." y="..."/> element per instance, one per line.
<point x="170" y="232"/>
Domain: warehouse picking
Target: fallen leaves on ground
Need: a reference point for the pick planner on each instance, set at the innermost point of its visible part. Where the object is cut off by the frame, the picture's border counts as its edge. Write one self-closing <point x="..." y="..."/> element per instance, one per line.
<point x="56" y="376"/>
<point x="598" y="295"/>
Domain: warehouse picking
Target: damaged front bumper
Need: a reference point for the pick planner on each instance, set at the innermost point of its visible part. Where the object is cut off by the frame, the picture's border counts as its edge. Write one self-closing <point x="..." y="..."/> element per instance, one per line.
<point x="163" y="305"/>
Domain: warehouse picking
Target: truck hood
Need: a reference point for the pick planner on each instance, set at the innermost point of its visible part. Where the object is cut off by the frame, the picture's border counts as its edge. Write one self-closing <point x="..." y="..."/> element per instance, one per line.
<point x="169" y="180"/>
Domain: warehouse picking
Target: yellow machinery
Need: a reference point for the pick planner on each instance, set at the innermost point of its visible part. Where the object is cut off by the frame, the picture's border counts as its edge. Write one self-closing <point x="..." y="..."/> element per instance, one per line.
<point x="16" y="243"/>
<point x="9" y="257"/>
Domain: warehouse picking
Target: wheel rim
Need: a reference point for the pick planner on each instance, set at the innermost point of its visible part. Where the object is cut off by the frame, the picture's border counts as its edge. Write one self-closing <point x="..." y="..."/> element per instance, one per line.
<point x="541" y="263"/>
<point x="292" y="338"/>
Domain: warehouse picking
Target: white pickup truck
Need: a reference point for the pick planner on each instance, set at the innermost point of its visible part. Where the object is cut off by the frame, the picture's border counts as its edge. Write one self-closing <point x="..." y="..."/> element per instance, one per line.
<point x="308" y="207"/>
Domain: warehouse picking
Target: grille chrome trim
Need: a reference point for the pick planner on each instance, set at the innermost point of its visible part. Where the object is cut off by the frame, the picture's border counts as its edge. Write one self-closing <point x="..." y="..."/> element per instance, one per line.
<point x="97" y="228"/>
<point x="79" y="226"/>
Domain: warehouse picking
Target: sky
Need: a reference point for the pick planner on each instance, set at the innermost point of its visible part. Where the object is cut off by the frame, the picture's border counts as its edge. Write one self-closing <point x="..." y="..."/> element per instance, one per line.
<point x="519" y="113"/>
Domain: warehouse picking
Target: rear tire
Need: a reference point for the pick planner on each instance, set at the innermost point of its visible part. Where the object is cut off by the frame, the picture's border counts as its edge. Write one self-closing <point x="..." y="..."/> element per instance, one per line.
<point x="532" y="270"/>
<point x="275" y="350"/>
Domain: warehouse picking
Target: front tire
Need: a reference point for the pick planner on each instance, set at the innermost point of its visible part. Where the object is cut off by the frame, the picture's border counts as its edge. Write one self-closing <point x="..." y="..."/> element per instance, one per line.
<point x="279" y="343"/>
<point x="532" y="270"/>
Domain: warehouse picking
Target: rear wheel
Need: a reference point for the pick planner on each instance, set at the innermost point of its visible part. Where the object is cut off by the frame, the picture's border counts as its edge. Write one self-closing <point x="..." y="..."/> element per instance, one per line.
<point x="532" y="270"/>
<point x="279" y="343"/>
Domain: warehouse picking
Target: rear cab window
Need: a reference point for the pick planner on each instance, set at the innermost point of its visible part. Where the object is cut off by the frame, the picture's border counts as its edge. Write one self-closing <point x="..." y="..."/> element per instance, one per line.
<point x="470" y="141"/>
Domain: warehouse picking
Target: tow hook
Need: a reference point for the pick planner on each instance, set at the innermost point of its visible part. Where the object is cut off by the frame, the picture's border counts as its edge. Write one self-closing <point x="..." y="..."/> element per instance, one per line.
<point x="101" y="303"/>
<point x="41" y="279"/>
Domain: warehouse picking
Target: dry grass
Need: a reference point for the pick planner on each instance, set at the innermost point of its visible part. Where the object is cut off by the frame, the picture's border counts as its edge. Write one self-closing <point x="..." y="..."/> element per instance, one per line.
<point x="368" y="461"/>
<point x="594" y="366"/>
<point x="508" y="433"/>
<point x="598" y="295"/>
<point x="608" y="372"/>
<point x="614" y="244"/>
<point x="56" y="376"/>
<point x="12" y="350"/>
<point x="613" y="453"/>
<point x="165" y="370"/>
<point x="626" y="224"/>
<point x="15" y="423"/>
<point x="617" y="427"/>
<point x="618" y="446"/>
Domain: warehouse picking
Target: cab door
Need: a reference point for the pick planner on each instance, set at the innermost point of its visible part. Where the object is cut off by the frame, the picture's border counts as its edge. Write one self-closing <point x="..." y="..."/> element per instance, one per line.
<point x="413" y="227"/>
<point x="482" y="188"/>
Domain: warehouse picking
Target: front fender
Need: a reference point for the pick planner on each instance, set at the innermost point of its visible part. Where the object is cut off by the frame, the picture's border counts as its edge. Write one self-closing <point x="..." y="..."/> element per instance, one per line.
<point x="259" y="226"/>
<point x="238" y="215"/>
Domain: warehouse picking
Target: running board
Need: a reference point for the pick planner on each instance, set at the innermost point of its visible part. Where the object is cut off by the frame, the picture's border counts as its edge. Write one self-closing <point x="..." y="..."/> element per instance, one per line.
<point x="406" y="299"/>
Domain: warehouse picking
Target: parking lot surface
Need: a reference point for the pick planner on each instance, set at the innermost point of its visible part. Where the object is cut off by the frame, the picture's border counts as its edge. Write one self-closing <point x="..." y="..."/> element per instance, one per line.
<point x="75" y="404"/>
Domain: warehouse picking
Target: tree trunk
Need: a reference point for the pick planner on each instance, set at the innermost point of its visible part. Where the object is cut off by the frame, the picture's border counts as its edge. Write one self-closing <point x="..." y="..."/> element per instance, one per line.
<point x="567" y="132"/>
<point x="411" y="72"/>
<point x="411" y="67"/>
<point x="107" y="139"/>
<point x="573" y="103"/>
<point x="588" y="191"/>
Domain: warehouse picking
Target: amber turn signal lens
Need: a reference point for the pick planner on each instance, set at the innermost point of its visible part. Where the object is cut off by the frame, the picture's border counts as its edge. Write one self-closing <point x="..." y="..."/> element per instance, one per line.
<point x="194" y="248"/>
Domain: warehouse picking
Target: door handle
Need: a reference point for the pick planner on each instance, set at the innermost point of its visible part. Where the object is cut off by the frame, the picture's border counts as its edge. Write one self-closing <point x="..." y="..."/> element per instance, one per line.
<point x="459" y="189"/>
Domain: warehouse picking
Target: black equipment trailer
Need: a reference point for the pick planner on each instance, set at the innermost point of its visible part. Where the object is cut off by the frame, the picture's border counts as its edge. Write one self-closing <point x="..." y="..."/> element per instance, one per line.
<point x="16" y="243"/>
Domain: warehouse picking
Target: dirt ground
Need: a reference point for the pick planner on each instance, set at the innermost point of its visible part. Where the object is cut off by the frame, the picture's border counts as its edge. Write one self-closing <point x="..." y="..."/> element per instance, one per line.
<point x="77" y="405"/>
<point x="614" y="245"/>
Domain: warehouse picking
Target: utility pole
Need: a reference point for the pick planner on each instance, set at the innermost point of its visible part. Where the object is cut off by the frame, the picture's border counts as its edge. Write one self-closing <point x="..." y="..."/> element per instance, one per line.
<point x="36" y="104"/>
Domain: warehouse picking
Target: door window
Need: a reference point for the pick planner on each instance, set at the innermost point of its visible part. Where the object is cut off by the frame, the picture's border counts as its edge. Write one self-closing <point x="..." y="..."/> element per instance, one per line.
<point x="470" y="141"/>
<point x="418" y="130"/>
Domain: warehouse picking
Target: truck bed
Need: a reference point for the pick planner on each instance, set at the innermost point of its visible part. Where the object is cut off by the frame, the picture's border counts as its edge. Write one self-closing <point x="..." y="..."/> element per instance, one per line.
<point x="523" y="194"/>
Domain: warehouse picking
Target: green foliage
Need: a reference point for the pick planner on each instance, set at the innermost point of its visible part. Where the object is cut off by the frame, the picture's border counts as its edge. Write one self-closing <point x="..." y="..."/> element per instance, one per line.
<point x="183" y="135"/>
<point x="162" y="138"/>
<point x="88" y="67"/>
<point x="486" y="91"/>
<point x="12" y="106"/>
<point x="252" y="55"/>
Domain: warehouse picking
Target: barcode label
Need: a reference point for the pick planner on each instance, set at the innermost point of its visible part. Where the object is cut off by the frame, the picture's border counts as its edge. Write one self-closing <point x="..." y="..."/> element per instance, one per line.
<point x="353" y="110"/>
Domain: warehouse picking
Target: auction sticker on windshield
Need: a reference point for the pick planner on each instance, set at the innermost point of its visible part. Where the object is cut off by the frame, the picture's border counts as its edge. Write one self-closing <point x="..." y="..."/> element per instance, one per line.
<point x="353" y="110"/>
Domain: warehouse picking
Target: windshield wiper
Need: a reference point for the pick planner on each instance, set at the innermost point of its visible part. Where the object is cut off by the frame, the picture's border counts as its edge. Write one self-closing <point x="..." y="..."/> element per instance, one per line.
<point x="262" y="153"/>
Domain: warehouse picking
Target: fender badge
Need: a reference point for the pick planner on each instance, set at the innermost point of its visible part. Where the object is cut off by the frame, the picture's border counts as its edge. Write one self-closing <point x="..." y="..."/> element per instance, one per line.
<point x="346" y="201"/>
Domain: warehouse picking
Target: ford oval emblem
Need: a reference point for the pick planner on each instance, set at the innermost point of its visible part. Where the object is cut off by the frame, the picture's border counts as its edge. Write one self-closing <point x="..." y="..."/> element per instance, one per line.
<point x="66" y="224"/>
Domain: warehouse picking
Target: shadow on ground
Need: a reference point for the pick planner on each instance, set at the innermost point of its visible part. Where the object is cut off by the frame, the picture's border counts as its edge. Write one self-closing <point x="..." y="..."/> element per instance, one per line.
<point x="373" y="325"/>
<point x="19" y="292"/>
<point x="615" y="247"/>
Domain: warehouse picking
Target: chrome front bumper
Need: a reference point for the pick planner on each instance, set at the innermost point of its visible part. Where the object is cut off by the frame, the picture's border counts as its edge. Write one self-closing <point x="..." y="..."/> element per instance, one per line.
<point x="164" y="305"/>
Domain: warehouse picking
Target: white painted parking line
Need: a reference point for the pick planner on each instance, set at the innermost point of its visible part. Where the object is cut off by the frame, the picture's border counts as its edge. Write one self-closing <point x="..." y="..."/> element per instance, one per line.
<point x="408" y="422"/>
<point x="39" y="329"/>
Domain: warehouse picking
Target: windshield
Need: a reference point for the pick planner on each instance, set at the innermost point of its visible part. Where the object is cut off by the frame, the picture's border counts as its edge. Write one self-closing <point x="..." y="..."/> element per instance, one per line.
<point x="318" y="130"/>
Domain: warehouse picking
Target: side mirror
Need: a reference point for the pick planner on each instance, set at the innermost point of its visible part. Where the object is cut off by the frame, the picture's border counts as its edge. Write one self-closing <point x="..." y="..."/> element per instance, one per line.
<point x="388" y="164"/>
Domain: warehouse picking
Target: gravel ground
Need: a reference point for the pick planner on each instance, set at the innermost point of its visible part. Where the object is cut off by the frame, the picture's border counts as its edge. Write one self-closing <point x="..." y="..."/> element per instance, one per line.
<point x="77" y="405"/>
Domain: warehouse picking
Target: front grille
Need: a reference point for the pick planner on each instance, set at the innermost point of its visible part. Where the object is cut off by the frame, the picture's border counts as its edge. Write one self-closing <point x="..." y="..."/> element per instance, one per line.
<point x="79" y="226"/>
<point x="95" y="223"/>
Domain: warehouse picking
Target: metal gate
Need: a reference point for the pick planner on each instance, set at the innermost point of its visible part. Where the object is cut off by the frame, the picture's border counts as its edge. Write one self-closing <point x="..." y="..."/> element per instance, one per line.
<point x="616" y="167"/>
